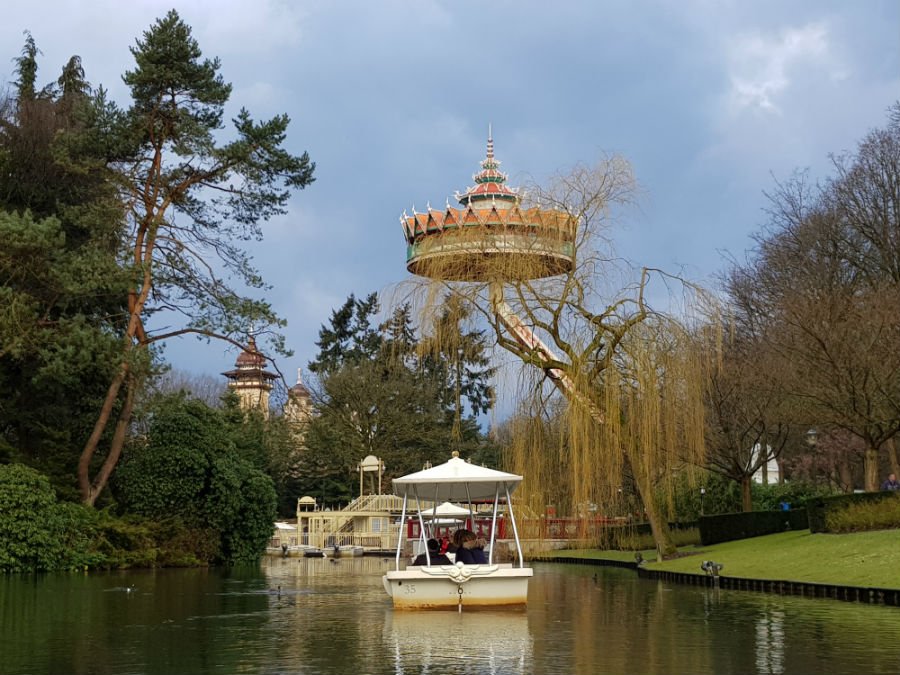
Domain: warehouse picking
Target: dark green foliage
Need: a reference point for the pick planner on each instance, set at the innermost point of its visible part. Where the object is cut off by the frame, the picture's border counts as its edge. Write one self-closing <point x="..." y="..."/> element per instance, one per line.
<point x="746" y="524"/>
<point x="37" y="533"/>
<point x="167" y="474"/>
<point x="722" y="495"/>
<point x="31" y="528"/>
<point x="794" y="493"/>
<point x="821" y="508"/>
<point x="60" y="283"/>
<point x="250" y="529"/>
<point x="189" y="468"/>
<point x="384" y="391"/>
<point x="350" y="337"/>
<point x="26" y="69"/>
<point x="112" y="179"/>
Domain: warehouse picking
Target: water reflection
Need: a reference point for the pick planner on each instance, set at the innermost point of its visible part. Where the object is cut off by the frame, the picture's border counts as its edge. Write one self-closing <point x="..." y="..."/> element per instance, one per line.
<point x="770" y="643"/>
<point x="315" y="617"/>
<point x="461" y="642"/>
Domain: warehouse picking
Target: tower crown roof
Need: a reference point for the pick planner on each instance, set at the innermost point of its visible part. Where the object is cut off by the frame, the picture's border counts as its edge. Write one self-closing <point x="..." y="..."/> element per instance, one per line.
<point x="490" y="183"/>
<point x="299" y="390"/>
<point x="250" y="363"/>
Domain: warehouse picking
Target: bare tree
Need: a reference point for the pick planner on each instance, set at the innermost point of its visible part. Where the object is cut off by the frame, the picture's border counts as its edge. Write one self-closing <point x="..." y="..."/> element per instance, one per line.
<point x="628" y="371"/>
<point x="746" y="417"/>
<point x="822" y="293"/>
<point x="206" y="388"/>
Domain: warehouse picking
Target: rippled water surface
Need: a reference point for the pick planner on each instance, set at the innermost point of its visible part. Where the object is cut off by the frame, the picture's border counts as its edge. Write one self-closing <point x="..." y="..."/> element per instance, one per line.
<point x="311" y="616"/>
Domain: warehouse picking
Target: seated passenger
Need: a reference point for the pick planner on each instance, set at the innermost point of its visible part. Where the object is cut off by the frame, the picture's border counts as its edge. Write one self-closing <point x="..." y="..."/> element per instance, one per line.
<point x="434" y="551"/>
<point x="470" y="549"/>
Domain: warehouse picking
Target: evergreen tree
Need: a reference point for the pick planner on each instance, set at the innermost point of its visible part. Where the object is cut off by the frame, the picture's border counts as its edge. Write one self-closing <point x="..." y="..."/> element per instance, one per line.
<point x="383" y="393"/>
<point x="61" y="287"/>
<point x="165" y="159"/>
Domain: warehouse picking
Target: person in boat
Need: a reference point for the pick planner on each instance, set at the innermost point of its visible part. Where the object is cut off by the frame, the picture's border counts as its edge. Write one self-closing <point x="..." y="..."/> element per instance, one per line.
<point x="434" y="551"/>
<point x="469" y="549"/>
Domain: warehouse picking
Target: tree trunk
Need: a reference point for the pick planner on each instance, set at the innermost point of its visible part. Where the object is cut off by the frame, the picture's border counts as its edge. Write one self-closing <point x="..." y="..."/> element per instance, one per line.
<point x="659" y="525"/>
<point x="118" y="441"/>
<point x="871" y="469"/>
<point x="892" y="456"/>
<point x="746" y="493"/>
<point x="90" y="447"/>
<point x="845" y="475"/>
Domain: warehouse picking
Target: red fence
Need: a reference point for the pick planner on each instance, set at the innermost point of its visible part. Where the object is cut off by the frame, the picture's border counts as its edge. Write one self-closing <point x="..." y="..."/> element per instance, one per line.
<point x="529" y="528"/>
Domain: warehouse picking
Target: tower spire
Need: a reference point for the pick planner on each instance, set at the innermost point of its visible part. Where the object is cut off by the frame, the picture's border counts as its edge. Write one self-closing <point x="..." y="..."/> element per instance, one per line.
<point x="490" y="143"/>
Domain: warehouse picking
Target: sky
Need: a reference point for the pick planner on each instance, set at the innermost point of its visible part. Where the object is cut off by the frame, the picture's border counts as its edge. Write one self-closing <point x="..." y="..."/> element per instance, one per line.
<point x="711" y="102"/>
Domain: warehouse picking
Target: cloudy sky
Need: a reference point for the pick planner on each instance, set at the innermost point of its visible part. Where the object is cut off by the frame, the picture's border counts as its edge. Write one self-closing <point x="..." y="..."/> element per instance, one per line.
<point x="710" y="100"/>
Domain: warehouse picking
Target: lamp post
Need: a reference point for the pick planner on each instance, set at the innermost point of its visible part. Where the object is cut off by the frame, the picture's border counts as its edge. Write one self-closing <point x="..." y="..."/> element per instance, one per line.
<point x="812" y="438"/>
<point x="702" y="495"/>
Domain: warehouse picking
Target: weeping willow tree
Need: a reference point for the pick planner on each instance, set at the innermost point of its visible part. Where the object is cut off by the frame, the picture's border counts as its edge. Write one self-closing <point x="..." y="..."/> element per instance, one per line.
<point x="581" y="322"/>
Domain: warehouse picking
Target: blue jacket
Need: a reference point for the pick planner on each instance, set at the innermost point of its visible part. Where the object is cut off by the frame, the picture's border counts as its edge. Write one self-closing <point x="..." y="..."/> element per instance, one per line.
<point x="471" y="556"/>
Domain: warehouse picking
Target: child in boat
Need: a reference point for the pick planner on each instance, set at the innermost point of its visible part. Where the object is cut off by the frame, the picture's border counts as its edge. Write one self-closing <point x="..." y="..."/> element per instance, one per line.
<point x="470" y="550"/>
<point x="434" y="551"/>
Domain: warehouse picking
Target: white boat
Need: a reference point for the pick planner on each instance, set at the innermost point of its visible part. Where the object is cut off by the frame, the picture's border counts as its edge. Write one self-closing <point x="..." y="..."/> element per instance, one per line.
<point x="457" y="586"/>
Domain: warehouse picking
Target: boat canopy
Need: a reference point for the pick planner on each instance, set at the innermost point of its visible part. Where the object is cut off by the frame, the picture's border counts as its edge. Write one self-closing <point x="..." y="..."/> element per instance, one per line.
<point x="446" y="511"/>
<point x="456" y="481"/>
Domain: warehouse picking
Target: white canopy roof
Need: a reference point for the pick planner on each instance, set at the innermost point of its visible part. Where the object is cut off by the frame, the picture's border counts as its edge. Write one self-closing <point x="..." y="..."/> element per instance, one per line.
<point x="445" y="510"/>
<point x="456" y="481"/>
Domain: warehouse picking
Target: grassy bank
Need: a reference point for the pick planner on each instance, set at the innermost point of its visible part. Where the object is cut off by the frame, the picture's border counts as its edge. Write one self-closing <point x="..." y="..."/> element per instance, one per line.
<point x="857" y="559"/>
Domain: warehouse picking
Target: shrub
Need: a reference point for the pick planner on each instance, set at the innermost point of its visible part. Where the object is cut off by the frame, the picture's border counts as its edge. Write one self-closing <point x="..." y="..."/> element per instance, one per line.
<point x="795" y="493"/>
<point x="732" y="526"/>
<point x="190" y="472"/>
<point x="31" y="527"/>
<point x="639" y="536"/>
<point x="688" y="536"/>
<point x="821" y="508"/>
<point x="860" y="516"/>
<point x="722" y="495"/>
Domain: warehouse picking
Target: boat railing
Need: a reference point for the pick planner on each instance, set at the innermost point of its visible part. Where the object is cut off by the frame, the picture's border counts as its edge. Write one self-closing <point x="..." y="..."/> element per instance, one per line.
<point x="380" y="541"/>
<point x="389" y="503"/>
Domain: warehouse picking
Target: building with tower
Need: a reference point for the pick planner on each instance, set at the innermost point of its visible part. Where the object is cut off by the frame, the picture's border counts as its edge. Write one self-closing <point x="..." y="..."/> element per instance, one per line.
<point x="299" y="407"/>
<point x="250" y="380"/>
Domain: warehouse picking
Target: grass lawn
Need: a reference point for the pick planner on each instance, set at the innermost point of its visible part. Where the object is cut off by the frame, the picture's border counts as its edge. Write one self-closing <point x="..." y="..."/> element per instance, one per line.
<point x="857" y="559"/>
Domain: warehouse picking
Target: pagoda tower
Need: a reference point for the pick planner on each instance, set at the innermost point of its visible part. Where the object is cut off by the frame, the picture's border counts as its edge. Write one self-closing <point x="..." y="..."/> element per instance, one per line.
<point x="491" y="236"/>
<point x="250" y="380"/>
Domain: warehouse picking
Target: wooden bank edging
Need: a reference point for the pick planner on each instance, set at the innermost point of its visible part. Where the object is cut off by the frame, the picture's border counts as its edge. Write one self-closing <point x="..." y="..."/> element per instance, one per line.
<point x="880" y="596"/>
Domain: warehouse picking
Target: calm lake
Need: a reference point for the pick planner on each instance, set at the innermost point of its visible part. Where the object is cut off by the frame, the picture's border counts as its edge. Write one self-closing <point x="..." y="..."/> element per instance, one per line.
<point x="334" y="617"/>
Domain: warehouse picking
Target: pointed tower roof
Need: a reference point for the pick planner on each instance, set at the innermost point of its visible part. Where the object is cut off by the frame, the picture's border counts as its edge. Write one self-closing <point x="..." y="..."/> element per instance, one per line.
<point x="250" y="365"/>
<point x="299" y="390"/>
<point x="490" y="183"/>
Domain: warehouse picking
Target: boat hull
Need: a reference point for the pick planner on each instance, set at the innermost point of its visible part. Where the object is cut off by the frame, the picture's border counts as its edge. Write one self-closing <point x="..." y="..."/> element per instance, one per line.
<point x="455" y="586"/>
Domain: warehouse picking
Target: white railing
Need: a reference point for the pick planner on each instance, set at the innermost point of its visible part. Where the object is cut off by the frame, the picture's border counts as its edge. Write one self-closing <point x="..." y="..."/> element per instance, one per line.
<point x="390" y="503"/>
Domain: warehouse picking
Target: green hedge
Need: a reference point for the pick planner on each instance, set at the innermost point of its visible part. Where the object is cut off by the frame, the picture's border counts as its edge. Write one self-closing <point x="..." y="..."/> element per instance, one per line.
<point x="821" y="507"/>
<point x="731" y="526"/>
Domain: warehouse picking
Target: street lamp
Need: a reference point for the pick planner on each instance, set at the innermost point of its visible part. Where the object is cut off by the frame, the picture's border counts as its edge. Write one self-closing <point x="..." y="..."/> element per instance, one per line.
<point x="702" y="495"/>
<point x="812" y="437"/>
